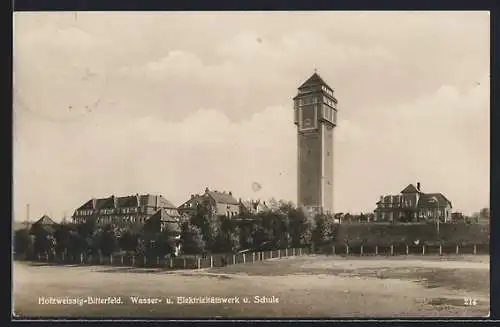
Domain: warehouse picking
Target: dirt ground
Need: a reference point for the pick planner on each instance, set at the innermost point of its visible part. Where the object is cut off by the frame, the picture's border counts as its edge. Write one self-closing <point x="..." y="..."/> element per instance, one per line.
<point x="312" y="286"/>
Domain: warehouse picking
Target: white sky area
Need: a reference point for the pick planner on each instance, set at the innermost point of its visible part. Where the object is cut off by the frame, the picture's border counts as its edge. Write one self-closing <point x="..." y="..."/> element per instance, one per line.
<point x="169" y="103"/>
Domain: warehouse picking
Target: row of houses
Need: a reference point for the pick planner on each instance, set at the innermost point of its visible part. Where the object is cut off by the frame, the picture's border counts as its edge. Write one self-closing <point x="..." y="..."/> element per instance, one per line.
<point x="411" y="204"/>
<point x="158" y="211"/>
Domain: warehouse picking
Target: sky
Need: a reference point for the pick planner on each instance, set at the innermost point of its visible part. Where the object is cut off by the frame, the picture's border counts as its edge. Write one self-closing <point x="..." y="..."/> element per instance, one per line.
<point x="119" y="103"/>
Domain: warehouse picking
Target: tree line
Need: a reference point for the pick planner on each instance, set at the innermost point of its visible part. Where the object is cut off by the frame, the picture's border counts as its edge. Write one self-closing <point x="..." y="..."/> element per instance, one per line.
<point x="201" y="232"/>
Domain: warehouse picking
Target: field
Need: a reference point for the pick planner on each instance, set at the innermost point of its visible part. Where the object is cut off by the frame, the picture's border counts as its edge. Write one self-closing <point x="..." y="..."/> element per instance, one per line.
<point x="309" y="286"/>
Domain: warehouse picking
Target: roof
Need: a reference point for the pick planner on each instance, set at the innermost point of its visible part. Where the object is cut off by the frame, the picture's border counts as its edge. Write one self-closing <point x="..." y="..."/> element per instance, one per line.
<point x="153" y="200"/>
<point x="410" y="189"/>
<point x="428" y="200"/>
<point x="45" y="220"/>
<point x="254" y="205"/>
<point x="89" y="205"/>
<point x="45" y="223"/>
<point x="314" y="80"/>
<point x="222" y="197"/>
<point x="127" y="201"/>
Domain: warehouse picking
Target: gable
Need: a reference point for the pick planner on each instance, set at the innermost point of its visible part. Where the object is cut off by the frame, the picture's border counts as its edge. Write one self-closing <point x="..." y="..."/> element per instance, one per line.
<point x="410" y="189"/>
<point x="45" y="220"/>
<point x="222" y="198"/>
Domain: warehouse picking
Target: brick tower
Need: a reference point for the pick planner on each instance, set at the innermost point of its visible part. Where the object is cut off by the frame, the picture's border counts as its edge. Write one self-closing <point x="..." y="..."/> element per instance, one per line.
<point x="315" y="109"/>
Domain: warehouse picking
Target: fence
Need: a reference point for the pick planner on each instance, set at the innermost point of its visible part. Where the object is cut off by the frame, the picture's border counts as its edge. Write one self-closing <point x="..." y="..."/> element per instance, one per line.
<point x="405" y="249"/>
<point x="180" y="262"/>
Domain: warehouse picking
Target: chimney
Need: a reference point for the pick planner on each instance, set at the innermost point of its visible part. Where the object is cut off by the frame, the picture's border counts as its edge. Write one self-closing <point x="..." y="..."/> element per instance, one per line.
<point x="156" y="202"/>
<point x="418" y="186"/>
<point x="192" y="196"/>
<point x="206" y="189"/>
<point x="94" y="203"/>
<point x="230" y="193"/>
<point x="115" y="201"/>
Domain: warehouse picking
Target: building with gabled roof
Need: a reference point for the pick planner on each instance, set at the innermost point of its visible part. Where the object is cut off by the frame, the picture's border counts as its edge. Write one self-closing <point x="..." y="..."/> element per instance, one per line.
<point x="218" y="203"/>
<point x="413" y="205"/>
<point x="125" y="210"/>
<point x="46" y="223"/>
<point x="253" y="207"/>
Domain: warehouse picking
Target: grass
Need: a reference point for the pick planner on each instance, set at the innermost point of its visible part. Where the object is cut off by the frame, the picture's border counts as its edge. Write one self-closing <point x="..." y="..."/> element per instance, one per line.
<point x="314" y="286"/>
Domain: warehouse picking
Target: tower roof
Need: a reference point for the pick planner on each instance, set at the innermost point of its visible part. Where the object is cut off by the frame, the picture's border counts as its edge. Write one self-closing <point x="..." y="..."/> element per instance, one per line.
<point x="314" y="80"/>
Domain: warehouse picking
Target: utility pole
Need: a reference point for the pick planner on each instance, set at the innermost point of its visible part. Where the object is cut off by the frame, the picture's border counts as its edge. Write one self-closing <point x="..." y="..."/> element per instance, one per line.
<point x="27" y="214"/>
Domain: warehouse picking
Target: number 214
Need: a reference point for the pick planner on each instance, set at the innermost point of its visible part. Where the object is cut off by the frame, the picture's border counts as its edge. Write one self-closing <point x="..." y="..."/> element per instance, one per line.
<point x="470" y="301"/>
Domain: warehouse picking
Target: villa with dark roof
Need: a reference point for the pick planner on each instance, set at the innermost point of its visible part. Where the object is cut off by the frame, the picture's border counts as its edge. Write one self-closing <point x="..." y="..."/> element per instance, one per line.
<point x="413" y="205"/>
<point x="219" y="203"/>
<point x="128" y="210"/>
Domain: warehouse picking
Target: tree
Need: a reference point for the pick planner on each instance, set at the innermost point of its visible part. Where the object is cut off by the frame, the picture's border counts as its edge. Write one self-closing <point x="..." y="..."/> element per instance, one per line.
<point x="300" y="227"/>
<point x="162" y="244"/>
<point x="260" y="237"/>
<point x="77" y="245"/>
<point x="44" y="242"/>
<point x="108" y="242"/>
<point x="234" y="239"/>
<point x="204" y="220"/>
<point x="192" y="239"/>
<point x="23" y="243"/>
<point x="245" y="232"/>
<point x="63" y="238"/>
<point x="319" y="232"/>
<point x="92" y="242"/>
<point x="157" y="243"/>
<point x="273" y="204"/>
<point x="484" y="214"/>
<point x="226" y="235"/>
<point x="128" y="240"/>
